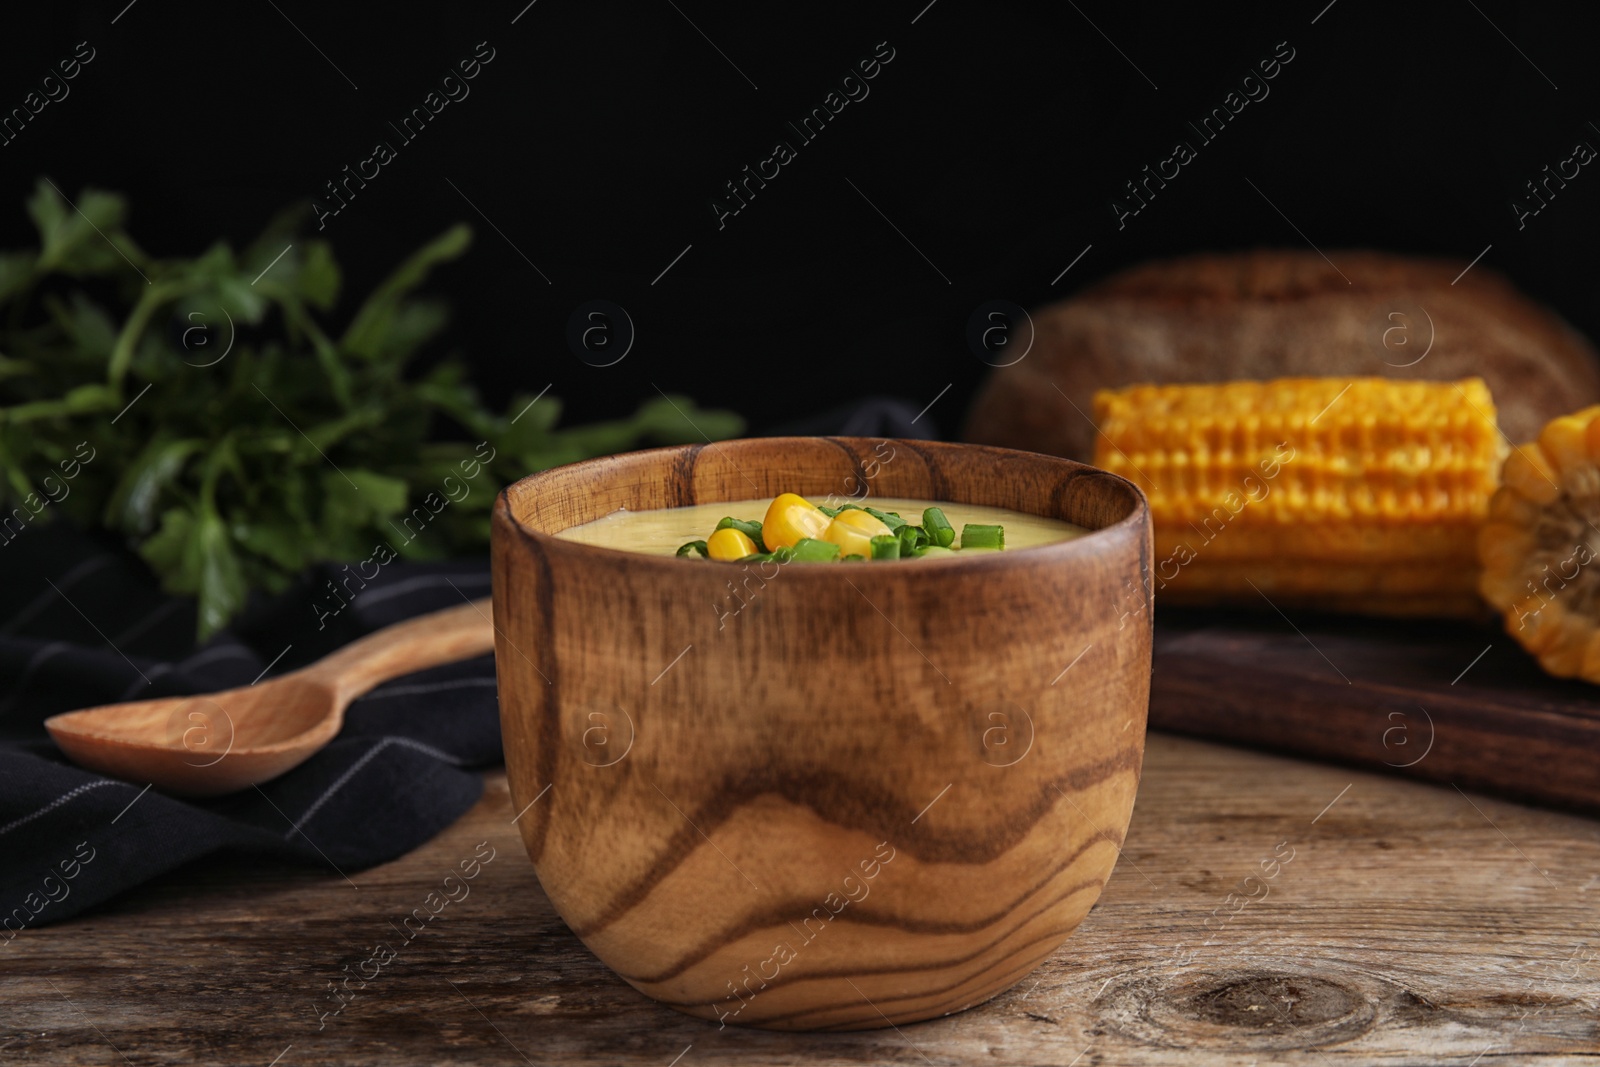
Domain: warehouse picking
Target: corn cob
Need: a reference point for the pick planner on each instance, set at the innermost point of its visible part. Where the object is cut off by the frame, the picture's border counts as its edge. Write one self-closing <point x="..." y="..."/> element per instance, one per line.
<point x="1539" y="547"/>
<point x="1342" y="494"/>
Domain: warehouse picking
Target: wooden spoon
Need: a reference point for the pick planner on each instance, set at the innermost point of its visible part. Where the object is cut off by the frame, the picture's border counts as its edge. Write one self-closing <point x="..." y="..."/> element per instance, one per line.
<point x="216" y="743"/>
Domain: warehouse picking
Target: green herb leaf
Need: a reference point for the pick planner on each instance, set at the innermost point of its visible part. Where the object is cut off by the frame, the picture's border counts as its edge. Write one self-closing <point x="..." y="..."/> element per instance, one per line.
<point x="167" y="551"/>
<point x="674" y="419"/>
<point x="86" y="323"/>
<point x="81" y="239"/>
<point x="133" y="503"/>
<point x="369" y="332"/>
<point x="281" y="541"/>
<point x="317" y="281"/>
<point x="16" y="271"/>
<point x="223" y="589"/>
<point x="213" y="419"/>
<point x="382" y="495"/>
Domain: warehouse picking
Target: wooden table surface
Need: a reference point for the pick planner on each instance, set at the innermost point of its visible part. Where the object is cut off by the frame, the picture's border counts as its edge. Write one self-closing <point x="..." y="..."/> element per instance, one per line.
<point x="1265" y="910"/>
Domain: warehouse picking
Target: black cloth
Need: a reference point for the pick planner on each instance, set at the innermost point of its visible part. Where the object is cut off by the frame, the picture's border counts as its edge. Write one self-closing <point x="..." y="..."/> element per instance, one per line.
<point x="402" y="769"/>
<point x="83" y="623"/>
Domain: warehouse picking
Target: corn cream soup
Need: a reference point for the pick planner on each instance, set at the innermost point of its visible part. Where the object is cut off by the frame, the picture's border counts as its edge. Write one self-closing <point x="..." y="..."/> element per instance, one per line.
<point x="671" y="531"/>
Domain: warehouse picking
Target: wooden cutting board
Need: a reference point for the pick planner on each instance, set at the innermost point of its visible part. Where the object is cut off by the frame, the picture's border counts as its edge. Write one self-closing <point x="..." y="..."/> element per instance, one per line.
<point x="1446" y="701"/>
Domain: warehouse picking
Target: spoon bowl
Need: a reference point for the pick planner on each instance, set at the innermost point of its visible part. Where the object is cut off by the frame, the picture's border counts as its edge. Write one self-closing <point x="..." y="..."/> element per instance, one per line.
<point x="214" y="743"/>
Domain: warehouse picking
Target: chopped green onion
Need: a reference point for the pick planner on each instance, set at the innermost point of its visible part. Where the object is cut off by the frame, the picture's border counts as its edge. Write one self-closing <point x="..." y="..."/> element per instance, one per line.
<point x="694" y="546"/>
<point x="976" y="535"/>
<point x="826" y="510"/>
<point x="888" y="518"/>
<point x="848" y="507"/>
<point x="910" y="538"/>
<point x="809" y="549"/>
<point x="935" y="550"/>
<point x="751" y="528"/>
<point x="854" y="556"/>
<point x="939" y="530"/>
<point x="886" y="546"/>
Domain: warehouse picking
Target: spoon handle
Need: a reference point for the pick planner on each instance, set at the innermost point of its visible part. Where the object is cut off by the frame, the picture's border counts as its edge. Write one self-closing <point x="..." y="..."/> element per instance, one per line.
<point x="426" y="641"/>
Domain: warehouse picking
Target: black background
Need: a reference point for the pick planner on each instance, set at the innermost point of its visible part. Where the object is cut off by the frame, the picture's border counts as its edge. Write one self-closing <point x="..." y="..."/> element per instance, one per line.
<point x="994" y="142"/>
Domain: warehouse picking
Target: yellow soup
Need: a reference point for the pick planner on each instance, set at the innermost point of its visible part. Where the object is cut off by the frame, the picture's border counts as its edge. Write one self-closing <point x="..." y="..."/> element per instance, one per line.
<point x="659" y="532"/>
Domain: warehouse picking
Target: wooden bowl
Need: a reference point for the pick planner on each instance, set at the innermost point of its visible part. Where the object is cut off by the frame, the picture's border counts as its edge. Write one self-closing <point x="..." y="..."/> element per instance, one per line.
<point x="823" y="796"/>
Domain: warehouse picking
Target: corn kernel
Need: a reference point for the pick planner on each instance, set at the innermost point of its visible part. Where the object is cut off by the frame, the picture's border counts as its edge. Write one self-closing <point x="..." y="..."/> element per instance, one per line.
<point x="789" y="518"/>
<point x="853" y="531"/>
<point x="1529" y="473"/>
<point x="729" y="544"/>
<point x="1564" y="441"/>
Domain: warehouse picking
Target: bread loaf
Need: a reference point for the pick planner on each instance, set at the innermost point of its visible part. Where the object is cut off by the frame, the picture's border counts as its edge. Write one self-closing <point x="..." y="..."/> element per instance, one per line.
<point x="1276" y="314"/>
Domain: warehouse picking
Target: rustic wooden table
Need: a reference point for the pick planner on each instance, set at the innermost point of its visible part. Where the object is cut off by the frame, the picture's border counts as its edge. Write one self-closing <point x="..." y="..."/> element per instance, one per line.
<point x="1265" y="910"/>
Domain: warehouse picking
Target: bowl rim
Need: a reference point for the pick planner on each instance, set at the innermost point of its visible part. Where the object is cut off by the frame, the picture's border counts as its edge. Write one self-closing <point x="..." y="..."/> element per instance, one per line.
<point x="1057" y="551"/>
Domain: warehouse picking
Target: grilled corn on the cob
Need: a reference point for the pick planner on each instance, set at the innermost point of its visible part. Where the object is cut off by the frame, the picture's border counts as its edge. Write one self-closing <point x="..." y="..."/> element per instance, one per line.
<point x="1343" y="494"/>
<point x="1539" y="547"/>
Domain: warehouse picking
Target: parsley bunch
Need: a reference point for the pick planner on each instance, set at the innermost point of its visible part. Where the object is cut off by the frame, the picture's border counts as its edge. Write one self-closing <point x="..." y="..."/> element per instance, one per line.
<point x="235" y="437"/>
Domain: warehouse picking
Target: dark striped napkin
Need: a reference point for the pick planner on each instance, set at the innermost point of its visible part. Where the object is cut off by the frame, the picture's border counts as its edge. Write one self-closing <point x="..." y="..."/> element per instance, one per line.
<point x="84" y="624"/>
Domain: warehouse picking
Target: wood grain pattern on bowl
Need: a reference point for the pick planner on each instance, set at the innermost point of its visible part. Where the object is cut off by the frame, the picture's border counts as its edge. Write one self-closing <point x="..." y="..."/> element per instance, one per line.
<point x="825" y="795"/>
